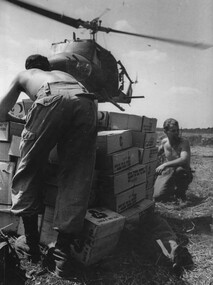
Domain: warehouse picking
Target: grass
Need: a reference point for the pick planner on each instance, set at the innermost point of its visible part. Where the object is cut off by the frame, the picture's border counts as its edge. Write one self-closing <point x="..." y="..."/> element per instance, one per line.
<point x="134" y="263"/>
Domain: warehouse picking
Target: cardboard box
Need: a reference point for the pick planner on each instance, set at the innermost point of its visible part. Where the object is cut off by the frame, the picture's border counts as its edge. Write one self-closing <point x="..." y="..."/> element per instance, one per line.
<point x="8" y="129"/>
<point x="4" y="151"/>
<point x="118" y="161"/>
<point x="112" y="141"/>
<point x="14" y="146"/>
<point x="8" y="221"/>
<point x="150" y="181"/>
<point x="92" y="251"/>
<point x="124" y="200"/>
<point x="122" y="181"/>
<point x="6" y="173"/>
<point x="48" y="234"/>
<point x="102" y="230"/>
<point x="149" y="193"/>
<point x="150" y="168"/>
<point x="18" y="110"/>
<point x="149" y="125"/>
<point x="140" y="212"/>
<point x="148" y="155"/>
<point x="103" y="120"/>
<point x="15" y="129"/>
<point x="4" y="131"/>
<point x="99" y="223"/>
<point x="144" y="140"/>
<point x="121" y="121"/>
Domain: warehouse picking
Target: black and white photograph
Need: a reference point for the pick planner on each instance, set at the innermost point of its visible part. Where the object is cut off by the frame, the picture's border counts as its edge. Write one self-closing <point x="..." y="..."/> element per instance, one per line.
<point x="106" y="142"/>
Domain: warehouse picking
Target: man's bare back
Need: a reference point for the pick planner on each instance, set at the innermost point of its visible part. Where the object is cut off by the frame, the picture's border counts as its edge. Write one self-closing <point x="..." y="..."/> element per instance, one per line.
<point x="29" y="82"/>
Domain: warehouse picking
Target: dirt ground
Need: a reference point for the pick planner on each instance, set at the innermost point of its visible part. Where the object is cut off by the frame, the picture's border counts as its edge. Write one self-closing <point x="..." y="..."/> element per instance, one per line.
<point x="129" y="265"/>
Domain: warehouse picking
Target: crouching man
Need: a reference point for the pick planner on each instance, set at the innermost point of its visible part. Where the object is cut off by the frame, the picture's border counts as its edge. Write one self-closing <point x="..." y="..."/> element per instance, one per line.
<point x="174" y="174"/>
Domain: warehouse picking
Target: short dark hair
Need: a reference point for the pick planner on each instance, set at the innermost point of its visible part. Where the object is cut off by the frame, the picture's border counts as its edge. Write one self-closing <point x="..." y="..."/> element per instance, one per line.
<point x="170" y="122"/>
<point x="37" y="61"/>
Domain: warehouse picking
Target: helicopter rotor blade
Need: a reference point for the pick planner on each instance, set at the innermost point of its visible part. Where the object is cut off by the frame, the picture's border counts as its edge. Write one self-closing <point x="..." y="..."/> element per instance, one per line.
<point x="198" y="45"/>
<point x="76" y="23"/>
<point x="93" y="26"/>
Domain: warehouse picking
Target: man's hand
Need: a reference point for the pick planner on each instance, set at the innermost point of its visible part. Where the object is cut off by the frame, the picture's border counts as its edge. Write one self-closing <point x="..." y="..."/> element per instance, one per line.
<point x="160" y="168"/>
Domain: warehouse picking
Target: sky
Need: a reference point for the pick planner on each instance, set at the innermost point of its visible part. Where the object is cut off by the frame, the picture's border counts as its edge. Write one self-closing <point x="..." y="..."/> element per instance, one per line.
<point x="175" y="80"/>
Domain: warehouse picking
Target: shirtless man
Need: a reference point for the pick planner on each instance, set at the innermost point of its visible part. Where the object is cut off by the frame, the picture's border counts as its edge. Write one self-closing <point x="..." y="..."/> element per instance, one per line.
<point x="174" y="175"/>
<point x="63" y="114"/>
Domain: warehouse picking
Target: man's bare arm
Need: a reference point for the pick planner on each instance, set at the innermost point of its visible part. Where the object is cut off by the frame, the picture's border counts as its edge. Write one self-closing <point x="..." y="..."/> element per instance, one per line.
<point x="182" y="160"/>
<point x="8" y="100"/>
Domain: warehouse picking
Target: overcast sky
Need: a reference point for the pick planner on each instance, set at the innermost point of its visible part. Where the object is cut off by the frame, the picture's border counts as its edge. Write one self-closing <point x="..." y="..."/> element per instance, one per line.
<point x="176" y="81"/>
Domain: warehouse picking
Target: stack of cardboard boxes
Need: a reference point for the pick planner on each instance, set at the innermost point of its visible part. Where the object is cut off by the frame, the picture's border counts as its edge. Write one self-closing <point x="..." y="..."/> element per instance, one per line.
<point x="9" y="132"/>
<point x="122" y="185"/>
<point x="126" y="162"/>
<point x="10" y="135"/>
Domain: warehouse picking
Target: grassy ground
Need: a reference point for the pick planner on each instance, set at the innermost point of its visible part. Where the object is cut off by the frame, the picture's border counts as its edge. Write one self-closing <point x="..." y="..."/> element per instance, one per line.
<point x="130" y="264"/>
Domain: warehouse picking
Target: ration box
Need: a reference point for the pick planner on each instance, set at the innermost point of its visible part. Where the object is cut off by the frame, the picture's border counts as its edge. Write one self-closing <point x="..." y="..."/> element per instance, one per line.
<point x="14" y="146"/>
<point x="4" y="131"/>
<point x="124" y="200"/>
<point x="117" y="161"/>
<point x="149" y="193"/>
<point x="122" y="181"/>
<point x="144" y="140"/>
<point x="6" y="173"/>
<point x="18" y="110"/>
<point x="102" y="230"/>
<point x="4" y="151"/>
<point x="112" y="141"/>
<point x="149" y="125"/>
<point x="48" y="234"/>
<point x="8" y="221"/>
<point x="8" y="129"/>
<point x="147" y="155"/>
<point x="140" y="212"/>
<point x="151" y="167"/>
<point x="150" y="181"/>
<point x="103" y="120"/>
<point x="120" y="121"/>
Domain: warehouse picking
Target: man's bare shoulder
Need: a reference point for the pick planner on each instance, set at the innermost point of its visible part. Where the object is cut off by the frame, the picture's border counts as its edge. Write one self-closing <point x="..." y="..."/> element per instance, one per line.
<point x="184" y="142"/>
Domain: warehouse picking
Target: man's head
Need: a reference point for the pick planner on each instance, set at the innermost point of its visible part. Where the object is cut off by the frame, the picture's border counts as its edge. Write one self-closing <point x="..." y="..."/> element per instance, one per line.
<point x="37" y="61"/>
<point x="171" y="126"/>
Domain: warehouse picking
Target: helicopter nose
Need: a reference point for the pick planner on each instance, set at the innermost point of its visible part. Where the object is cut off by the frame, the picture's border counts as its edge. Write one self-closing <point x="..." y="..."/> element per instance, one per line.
<point x="76" y="66"/>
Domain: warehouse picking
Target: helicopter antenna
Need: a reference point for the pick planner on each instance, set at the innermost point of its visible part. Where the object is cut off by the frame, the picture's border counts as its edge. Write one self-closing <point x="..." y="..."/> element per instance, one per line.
<point x="136" y="79"/>
<point x="96" y="24"/>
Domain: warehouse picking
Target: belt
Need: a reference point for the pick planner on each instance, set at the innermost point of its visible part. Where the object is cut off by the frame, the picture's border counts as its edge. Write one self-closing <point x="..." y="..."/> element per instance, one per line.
<point x="54" y="88"/>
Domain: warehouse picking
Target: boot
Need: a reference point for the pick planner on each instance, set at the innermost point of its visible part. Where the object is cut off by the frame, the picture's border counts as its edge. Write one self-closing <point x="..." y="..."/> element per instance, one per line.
<point x="181" y="259"/>
<point x="62" y="256"/>
<point x="28" y="245"/>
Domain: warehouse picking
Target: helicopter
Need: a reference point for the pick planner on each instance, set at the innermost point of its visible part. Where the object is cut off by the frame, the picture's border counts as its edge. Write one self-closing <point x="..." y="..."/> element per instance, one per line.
<point x="89" y="63"/>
